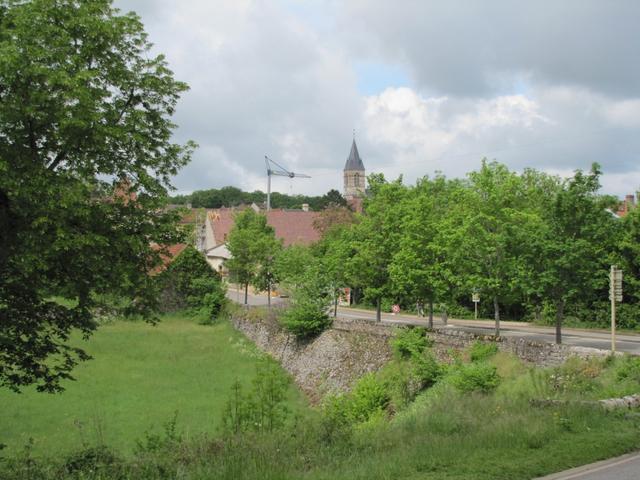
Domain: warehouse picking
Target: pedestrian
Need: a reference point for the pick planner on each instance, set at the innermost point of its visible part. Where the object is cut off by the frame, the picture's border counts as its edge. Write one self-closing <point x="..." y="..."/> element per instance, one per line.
<point x="420" y="307"/>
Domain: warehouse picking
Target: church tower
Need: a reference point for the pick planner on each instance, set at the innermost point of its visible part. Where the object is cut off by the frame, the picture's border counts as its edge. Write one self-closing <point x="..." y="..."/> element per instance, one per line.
<point x="354" y="175"/>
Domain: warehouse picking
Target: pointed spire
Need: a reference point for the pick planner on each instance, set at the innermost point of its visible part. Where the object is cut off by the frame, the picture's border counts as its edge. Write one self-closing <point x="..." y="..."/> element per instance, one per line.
<point x="354" y="162"/>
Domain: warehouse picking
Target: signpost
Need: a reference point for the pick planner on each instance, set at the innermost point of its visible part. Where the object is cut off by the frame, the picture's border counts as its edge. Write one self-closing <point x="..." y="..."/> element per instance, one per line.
<point x="476" y="299"/>
<point x="615" y="295"/>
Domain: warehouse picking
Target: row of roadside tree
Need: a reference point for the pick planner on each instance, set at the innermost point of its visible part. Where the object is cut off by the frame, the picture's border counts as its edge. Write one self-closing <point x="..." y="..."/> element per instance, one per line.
<point x="532" y="245"/>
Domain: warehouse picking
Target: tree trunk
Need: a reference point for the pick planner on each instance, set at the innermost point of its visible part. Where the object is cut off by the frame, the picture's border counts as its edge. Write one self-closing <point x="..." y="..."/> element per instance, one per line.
<point x="445" y="315"/>
<point x="537" y="314"/>
<point x="269" y="294"/>
<point x="496" y="314"/>
<point x="335" y="306"/>
<point x="378" y="310"/>
<point x="431" y="314"/>
<point x="246" y="293"/>
<point x="559" y="317"/>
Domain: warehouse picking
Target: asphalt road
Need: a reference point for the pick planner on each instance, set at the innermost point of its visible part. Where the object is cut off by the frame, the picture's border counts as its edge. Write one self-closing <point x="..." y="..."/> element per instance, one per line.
<point x="571" y="336"/>
<point x="626" y="467"/>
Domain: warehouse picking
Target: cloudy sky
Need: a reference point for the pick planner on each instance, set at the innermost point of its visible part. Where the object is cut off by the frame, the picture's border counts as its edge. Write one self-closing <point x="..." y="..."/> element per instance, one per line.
<point x="427" y="85"/>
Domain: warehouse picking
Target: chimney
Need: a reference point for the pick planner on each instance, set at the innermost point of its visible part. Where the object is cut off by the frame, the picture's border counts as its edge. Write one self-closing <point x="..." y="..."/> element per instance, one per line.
<point x="305" y="207"/>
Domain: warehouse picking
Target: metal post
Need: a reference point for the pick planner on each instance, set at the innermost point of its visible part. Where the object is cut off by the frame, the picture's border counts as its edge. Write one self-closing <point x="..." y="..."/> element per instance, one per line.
<point x="268" y="190"/>
<point x="612" y="295"/>
<point x="476" y="310"/>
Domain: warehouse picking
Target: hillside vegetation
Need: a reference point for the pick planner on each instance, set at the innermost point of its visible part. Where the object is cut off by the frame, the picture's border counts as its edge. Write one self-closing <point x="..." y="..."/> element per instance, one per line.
<point x="416" y="418"/>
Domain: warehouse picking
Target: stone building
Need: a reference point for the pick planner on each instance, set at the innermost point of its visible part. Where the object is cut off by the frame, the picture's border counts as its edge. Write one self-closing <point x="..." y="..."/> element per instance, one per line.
<point x="354" y="178"/>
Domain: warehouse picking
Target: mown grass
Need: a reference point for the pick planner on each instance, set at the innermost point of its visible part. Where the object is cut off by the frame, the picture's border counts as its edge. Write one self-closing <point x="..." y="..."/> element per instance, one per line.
<point x="140" y="376"/>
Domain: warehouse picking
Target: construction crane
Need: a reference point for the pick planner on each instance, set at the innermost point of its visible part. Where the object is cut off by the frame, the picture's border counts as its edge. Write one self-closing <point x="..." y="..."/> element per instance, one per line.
<point x="281" y="172"/>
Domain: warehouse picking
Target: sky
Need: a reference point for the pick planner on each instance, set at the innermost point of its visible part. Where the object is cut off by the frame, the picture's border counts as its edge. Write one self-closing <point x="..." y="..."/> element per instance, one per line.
<point x="427" y="85"/>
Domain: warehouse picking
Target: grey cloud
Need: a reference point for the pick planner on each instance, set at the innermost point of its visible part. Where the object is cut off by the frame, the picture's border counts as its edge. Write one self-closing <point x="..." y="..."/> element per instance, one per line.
<point x="480" y="47"/>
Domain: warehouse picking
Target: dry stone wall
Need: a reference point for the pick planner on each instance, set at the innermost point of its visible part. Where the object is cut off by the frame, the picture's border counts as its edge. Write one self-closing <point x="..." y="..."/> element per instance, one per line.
<point x="334" y="360"/>
<point x="445" y="338"/>
<point x="331" y="362"/>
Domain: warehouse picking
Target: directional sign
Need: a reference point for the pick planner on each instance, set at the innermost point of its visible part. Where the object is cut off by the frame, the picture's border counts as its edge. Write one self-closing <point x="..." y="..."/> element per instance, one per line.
<point x="615" y="284"/>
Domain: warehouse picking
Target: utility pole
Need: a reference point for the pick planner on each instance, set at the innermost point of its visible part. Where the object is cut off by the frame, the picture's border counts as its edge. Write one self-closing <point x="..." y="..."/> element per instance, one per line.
<point x="279" y="171"/>
<point x="615" y="295"/>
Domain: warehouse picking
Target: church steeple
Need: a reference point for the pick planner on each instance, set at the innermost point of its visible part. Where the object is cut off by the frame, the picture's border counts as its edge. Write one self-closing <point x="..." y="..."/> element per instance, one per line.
<point x="354" y="174"/>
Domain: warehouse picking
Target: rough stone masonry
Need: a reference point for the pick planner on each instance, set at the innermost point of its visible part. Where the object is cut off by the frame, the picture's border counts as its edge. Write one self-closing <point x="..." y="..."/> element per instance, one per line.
<point x="335" y="359"/>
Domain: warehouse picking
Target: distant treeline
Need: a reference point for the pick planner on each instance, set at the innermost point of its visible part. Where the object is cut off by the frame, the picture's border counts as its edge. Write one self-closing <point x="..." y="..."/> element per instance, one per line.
<point x="232" y="196"/>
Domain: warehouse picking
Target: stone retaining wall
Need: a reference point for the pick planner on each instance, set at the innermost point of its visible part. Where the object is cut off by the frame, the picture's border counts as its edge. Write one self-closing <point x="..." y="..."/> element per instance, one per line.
<point x="539" y="353"/>
<point x="331" y="362"/>
<point x="334" y="360"/>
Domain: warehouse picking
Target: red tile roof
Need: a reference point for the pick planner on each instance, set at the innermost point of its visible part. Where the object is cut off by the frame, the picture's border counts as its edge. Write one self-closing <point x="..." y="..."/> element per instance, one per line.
<point x="172" y="252"/>
<point x="294" y="227"/>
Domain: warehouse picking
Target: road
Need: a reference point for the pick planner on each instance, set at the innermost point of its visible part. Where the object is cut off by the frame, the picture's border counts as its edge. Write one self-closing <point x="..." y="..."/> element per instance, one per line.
<point x="626" y="467"/>
<point x="570" y="336"/>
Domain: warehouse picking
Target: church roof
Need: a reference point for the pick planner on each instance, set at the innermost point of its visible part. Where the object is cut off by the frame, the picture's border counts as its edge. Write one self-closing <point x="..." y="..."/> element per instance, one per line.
<point x="354" y="162"/>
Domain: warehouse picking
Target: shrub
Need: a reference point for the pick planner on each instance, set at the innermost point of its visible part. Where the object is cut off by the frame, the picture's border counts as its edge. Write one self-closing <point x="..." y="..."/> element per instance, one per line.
<point x="368" y="397"/>
<point x="426" y="369"/>
<point x="408" y="342"/>
<point x="311" y="298"/>
<point x="482" y="351"/>
<point x="575" y="375"/>
<point x="189" y="282"/>
<point x="90" y="460"/>
<point x="475" y="377"/>
<point x="263" y="408"/>
<point x="629" y="368"/>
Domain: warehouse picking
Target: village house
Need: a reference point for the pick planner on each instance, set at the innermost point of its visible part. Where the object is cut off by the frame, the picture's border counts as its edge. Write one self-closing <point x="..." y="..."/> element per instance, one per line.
<point x="293" y="227"/>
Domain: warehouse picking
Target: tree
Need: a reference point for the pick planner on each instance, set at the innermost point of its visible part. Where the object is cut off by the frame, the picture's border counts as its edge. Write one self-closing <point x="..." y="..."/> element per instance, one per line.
<point x="311" y="297"/>
<point x="85" y="161"/>
<point x="480" y="233"/>
<point x="190" y="282"/>
<point x="332" y="217"/>
<point x="576" y="243"/>
<point x="375" y="238"/>
<point x="253" y="247"/>
<point x="419" y="266"/>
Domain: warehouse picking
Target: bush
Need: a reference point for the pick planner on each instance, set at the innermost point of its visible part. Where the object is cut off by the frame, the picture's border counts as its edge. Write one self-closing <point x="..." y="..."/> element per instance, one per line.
<point x="311" y="298"/>
<point x="408" y="342"/>
<point x="263" y="408"/>
<point x="189" y="282"/>
<point x="576" y="375"/>
<point x="368" y="397"/>
<point x="480" y="351"/>
<point x="475" y="377"/>
<point x="629" y="368"/>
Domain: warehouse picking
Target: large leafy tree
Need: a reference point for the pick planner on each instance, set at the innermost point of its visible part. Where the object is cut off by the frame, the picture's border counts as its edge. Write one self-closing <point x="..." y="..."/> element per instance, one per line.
<point x="419" y="267"/>
<point x="254" y="249"/>
<point x="85" y="161"/>
<point x="577" y="244"/>
<point x="481" y="234"/>
<point x="375" y="238"/>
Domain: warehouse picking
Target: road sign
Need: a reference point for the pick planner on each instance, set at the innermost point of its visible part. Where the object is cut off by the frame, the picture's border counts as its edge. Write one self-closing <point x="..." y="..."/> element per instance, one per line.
<point x="615" y="284"/>
<point x="475" y="298"/>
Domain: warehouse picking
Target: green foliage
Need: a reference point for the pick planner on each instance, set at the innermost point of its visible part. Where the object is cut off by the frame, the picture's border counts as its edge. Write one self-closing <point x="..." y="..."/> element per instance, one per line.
<point x="575" y="376"/>
<point x="263" y="408"/>
<point x="254" y="248"/>
<point x="86" y="157"/>
<point x="410" y="341"/>
<point x="307" y="315"/>
<point x="481" y="351"/>
<point x="189" y="282"/>
<point x="368" y="398"/>
<point x="232" y="196"/>
<point x="474" y="377"/>
<point x="629" y="368"/>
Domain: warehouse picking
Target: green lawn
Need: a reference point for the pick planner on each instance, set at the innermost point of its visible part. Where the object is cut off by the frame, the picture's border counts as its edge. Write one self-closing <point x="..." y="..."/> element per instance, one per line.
<point x="139" y="377"/>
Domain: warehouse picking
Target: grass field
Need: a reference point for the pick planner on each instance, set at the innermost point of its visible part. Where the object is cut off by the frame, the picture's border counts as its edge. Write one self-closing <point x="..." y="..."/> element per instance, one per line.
<point x="139" y="377"/>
